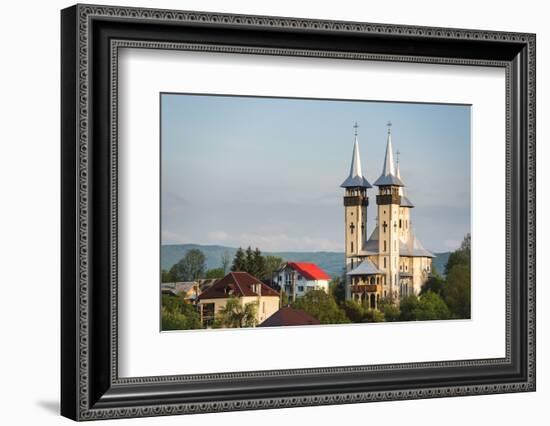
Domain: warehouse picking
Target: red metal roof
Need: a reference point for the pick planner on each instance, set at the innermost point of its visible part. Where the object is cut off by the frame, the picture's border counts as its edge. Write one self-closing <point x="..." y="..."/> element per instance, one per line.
<point x="309" y="271"/>
<point x="236" y="284"/>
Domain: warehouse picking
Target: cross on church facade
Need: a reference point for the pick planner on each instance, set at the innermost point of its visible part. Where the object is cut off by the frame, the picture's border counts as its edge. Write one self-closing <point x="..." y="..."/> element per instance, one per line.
<point x="352" y="227"/>
<point x="384" y="225"/>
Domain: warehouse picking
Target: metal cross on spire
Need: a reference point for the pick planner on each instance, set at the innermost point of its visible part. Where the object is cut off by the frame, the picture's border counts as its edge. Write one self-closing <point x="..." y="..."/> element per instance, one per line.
<point x="397" y="156"/>
<point x="356" y="126"/>
<point x="389" y="124"/>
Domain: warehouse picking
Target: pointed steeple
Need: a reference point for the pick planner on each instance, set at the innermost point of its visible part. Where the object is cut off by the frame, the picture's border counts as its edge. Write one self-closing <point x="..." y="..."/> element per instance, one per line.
<point x="388" y="176"/>
<point x="355" y="178"/>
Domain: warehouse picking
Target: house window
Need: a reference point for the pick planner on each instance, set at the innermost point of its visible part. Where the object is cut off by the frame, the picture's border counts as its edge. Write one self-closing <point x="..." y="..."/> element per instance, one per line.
<point x="300" y="278"/>
<point x="300" y="288"/>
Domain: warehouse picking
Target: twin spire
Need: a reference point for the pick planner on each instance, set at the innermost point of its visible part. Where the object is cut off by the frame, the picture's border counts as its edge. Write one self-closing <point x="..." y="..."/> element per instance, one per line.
<point x="390" y="176"/>
<point x="356" y="178"/>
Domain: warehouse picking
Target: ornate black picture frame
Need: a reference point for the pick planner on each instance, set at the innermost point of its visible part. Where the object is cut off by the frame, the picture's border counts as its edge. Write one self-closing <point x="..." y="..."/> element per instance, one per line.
<point x="91" y="37"/>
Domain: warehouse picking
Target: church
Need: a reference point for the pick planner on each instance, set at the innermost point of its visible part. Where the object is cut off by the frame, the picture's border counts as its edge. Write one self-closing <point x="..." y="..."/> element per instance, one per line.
<point x="391" y="263"/>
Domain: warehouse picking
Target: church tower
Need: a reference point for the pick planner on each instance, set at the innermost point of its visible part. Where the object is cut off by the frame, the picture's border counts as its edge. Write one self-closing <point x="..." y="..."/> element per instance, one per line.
<point x="389" y="209"/>
<point x="355" y="207"/>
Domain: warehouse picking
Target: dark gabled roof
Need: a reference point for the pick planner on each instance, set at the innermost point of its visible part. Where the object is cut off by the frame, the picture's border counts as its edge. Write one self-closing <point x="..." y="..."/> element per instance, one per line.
<point x="289" y="316"/>
<point x="237" y="284"/>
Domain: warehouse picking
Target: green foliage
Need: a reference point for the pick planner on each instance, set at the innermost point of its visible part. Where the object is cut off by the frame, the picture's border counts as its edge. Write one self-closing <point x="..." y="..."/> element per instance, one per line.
<point x="178" y="315"/>
<point x="190" y="268"/>
<point x="460" y="256"/>
<point x="337" y="289"/>
<point x="435" y="284"/>
<point x="271" y="265"/>
<point x="390" y="311"/>
<point x="214" y="273"/>
<point x="322" y="306"/>
<point x="235" y="315"/>
<point x="372" y="315"/>
<point x="431" y="307"/>
<point x="408" y="307"/>
<point x="354" y="310"/>
<point x="253" y="262"/>
<point x="166" y="277"/>
<point x="457" y="294"/>
<point x="239" y="261"/>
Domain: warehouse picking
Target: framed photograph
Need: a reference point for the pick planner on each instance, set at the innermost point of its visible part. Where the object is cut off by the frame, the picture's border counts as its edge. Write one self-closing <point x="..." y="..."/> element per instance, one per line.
<point x="265" y="212"/>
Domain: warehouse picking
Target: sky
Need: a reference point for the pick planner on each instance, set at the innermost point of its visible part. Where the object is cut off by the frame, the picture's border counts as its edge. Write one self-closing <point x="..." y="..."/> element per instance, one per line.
<point x="266" y="172"/>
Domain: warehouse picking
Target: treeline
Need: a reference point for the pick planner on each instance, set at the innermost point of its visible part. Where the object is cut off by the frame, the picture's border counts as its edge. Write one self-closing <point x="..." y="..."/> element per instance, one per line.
<point x="193" y="266"/>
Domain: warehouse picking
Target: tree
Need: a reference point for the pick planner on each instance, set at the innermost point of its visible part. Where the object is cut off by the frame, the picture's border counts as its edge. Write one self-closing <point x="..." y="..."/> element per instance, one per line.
<point x="249" y="260"/>
<point x="354" y="310"/>
<point x="214" y="273"/>
<point x="166" y="277"/>
<point x="431" y="307"/>
<point x="236" y="315"/>
<point x="239" y="261"/>
<point x="435" y="284"/>
<point x="322" y="306"/>
<point x="271" y="265"/>
<point x="225" y="261"/>
<point x="460" y="256"/>
<point x="178" y="315"/>
<point x="191" y="267"/>
<point x="337" y="289"/>
<point x="390" y="311"/>
<point x="408" y="307"/>
<point x="457" y="293"/>
<point x="257" y="267"/>
<point x="372" y="315"/>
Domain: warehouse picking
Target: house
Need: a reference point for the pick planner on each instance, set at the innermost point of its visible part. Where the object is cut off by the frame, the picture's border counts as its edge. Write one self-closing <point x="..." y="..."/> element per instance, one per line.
<point x="243" y="286"/>
<point x="188" y="289"/>
<point x="297" y="278"/>
<point x="288" y="316"/>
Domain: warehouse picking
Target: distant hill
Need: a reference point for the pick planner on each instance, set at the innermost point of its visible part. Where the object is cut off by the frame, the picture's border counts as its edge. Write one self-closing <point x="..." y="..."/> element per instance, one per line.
<point x="331" y="262"/>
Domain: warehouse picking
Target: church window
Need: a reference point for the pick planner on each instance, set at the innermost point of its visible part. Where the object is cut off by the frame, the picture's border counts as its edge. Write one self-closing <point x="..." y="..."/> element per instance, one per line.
<point x="384" y="262"/>
<point x="384" y="245"/>
<point x="351" y="263"/>
<point x="352" y="246"/>
<point x="400" y="224"/>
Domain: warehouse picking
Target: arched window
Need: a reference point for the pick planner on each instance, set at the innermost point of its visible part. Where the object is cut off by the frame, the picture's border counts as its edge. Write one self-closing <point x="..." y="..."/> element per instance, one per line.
<point x="352" y="246"/>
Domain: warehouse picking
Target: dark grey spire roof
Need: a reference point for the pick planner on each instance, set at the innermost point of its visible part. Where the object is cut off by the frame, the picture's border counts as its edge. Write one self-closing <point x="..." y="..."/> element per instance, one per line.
<point x="355" y="178"/>
<point x="388" y="176"/>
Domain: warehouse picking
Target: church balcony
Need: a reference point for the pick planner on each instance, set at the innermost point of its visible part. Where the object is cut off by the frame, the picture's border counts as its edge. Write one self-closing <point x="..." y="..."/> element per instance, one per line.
<point x="365" y="288"/>
<point x="388" y="199"/>
<point x="356" y="200"/>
